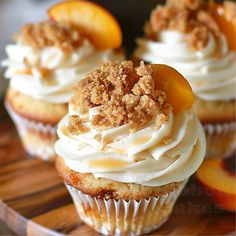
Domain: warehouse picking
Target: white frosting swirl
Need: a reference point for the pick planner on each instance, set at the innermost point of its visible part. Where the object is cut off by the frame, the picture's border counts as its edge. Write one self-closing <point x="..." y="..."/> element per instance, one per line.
<point x="141" y="157"/>
<point x="211" y="77"/>
<point x="25" y="64"/>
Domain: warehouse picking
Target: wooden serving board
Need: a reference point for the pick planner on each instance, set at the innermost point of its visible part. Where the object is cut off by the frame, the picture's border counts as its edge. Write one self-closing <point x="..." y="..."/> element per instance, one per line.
<point x="34" y="201"/>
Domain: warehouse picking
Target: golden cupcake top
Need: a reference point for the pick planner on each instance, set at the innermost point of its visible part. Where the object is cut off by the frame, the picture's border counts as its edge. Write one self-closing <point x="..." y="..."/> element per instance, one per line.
<point x="125" y="94"/>
<point x="50" y="34"/>
<point x="186" y="16"/>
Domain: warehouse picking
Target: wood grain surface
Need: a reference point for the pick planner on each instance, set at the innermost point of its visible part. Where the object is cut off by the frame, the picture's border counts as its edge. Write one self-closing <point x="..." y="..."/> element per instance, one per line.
<point x="34" y="201"/>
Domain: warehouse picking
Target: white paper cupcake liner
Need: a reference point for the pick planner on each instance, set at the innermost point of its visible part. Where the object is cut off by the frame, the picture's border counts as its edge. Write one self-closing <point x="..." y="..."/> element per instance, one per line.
<point x="221" y="139"/>
<point x="121" y="217"/>
<point x="42" y="149"/>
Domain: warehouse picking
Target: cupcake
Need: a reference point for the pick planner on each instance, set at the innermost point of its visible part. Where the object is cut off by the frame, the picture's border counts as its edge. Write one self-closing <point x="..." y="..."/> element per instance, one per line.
<point x="128" y="145"/>
<point x="44" y="63"/>
<point x="198" y="39"/>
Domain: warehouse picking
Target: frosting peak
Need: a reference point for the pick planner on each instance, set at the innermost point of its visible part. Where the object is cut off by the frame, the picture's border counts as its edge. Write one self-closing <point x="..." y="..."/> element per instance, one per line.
<point x="149" y="156"/>
<point x="211" y="76"/>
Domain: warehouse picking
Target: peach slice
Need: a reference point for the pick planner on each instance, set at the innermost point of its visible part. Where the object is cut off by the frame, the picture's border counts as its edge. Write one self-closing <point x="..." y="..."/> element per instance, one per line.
<point x="218" y="184"/>
<point x="179" y="92"/>
<point x="225" y="16"/>
<point x="91" y="19"/>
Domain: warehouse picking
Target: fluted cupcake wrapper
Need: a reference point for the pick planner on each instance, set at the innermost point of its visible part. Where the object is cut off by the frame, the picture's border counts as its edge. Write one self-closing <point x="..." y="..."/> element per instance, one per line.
<point x="122" y="217"/>
<point x="38" y="139"/>
<point x="220" y="138"/>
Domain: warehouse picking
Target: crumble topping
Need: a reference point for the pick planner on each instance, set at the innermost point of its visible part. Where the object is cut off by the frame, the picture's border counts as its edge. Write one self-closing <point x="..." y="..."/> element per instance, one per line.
<point x="161" y="118"/>
<point x="186" y="16"/>
<point x="75" y="125"/>
<point x="167" y="140"/>
<point x="46" y="34"/>
<point x="123" y="94"/>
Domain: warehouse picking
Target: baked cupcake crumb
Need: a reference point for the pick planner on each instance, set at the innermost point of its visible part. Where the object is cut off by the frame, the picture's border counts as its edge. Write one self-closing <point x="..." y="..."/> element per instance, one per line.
<point x="47" y="34"/>
<point x="186" y="16"/>
<point x="123" y="94"/>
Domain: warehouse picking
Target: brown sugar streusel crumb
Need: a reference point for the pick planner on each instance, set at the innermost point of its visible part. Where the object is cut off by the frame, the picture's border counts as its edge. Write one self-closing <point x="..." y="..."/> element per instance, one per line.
<point x="187" y="16"/>
<point x="46" y="34"/>
<point x="167" y="140"/>
<point x="75" y="125"/>
<point x="123" y="94"/>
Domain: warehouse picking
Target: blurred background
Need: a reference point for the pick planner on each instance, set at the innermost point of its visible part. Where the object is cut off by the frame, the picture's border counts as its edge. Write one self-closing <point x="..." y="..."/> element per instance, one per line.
<point x="131" y="15"/>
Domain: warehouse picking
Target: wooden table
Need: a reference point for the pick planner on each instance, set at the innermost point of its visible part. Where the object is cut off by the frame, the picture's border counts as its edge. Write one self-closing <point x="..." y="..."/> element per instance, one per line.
<point x="34" y="201"/>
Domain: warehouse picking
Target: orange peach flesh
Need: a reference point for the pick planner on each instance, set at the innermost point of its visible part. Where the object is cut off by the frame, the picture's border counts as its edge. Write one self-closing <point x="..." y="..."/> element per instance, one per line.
<point x="226" y="24"/>
<point x="179" y="92"/>
<point x="219" y="185"/>
<point x="91" y="19"/>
